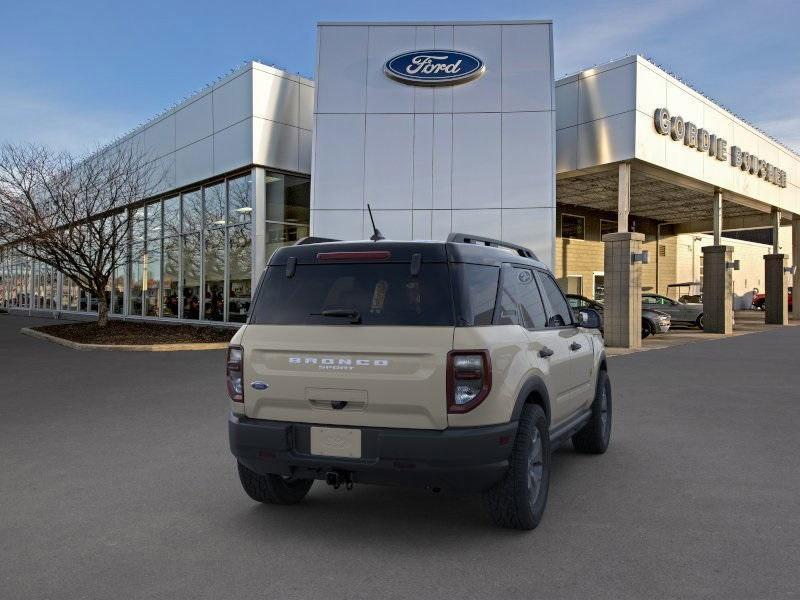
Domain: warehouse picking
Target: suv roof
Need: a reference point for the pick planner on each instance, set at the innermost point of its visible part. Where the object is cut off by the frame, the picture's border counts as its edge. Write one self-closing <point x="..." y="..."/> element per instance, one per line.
<point x="459" y="247"/>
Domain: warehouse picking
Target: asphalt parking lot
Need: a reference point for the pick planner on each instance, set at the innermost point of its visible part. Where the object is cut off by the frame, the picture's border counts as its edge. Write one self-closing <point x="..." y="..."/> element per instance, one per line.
<point x="116" y="482"/>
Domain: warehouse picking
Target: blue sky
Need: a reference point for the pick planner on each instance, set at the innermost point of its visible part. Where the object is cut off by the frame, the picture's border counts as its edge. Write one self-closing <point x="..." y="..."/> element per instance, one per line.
<point x="75" y="74"/>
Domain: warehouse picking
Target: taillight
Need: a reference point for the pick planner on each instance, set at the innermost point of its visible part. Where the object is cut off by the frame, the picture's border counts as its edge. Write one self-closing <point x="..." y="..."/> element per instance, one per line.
<point x="469" y="379"/>
<point x="234" y="373"/>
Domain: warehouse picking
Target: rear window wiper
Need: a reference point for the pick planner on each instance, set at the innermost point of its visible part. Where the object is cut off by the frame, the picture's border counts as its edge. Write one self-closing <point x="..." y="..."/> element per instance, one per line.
<point x="341" y="313"/>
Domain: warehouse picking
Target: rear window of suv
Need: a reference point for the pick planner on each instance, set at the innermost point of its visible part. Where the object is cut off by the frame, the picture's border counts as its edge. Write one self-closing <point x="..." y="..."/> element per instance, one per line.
<point x="379" y="293"/>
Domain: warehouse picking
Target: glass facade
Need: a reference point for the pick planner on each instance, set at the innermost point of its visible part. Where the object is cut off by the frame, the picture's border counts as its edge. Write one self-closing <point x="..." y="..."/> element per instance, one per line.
<point x="190" y="255"/>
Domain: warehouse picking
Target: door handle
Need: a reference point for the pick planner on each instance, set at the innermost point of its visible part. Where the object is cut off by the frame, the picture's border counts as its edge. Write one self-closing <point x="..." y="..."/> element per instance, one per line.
<point x="574" y="346"/>
<point x="545" y="352"/>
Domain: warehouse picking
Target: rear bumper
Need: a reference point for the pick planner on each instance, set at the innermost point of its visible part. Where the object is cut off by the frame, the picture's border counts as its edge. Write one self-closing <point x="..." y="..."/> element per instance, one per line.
<point x="463" y="459"/>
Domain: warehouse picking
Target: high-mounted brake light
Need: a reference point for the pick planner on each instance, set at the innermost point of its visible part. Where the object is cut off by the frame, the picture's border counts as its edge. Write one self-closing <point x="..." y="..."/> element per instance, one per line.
<point x="469" y="379"/>
<point x="234" y="369"/>
<point x="344" y="256"/>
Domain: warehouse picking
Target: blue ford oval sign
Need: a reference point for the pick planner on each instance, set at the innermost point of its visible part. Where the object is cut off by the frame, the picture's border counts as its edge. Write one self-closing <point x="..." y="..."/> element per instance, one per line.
<point x="434" y="67"/>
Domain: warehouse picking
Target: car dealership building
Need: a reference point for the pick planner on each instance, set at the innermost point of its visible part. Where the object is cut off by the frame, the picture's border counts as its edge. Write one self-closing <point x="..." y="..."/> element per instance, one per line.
<point x="621" y="177"/>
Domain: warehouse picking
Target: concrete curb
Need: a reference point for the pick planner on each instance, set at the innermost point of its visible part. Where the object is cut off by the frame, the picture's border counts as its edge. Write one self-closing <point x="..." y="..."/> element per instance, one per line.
<point x="124" y="347"/>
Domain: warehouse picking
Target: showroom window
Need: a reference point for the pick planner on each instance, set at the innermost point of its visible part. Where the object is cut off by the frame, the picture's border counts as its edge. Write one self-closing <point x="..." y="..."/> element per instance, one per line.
<point x="288" y="209"/>
<point x="573" y="227"/>
<point x="607" y="227"/>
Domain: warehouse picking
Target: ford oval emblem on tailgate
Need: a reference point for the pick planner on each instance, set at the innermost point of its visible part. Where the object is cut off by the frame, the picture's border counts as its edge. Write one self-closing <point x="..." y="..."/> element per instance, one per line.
<point x="259" y="385"/>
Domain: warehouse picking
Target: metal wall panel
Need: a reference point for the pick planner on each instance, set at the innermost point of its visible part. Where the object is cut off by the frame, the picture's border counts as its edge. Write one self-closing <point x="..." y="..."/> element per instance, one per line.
<point x="276" y="145"/>
<point x="306" y="106"/>
<point x="486" y="221"/>
<point x="527" y="165"/>
<point x="159" y="138"/>
<point x="276" y="98"/>
<point x="442" y="161"/>
<point x="423" y="163"/>
<point x="305" y="141"/>
<point x="607" y="93"/>
<point x="233" y="101"/>
<point x="194" y="162"/>
<point x="342" y="69"/>
<point x="566" y="149"/>
<point x="385" y="95"/>
<point x="527" y="78"/>
<point x="483" y="94"/>
<point x="532" y="228"/>
<point x="389" y="170"/>
<point x="421" y="221"/>
<point x="194" y="121"/>
<point x="338" y="175"/>
<point x="567" y="105"/>
<point x="341" y="224"/>
<point x="394" y="224"/>
<point x="233" y="146"/>
<point x="476" y="174"/>
<point x="606" y="140"/>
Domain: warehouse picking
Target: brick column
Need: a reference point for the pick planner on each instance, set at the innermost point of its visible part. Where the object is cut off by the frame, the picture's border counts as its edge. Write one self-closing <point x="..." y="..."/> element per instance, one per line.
<point x="622" y="314"/>
<point x="717" y="290"/>
<point x="777" y="312"/>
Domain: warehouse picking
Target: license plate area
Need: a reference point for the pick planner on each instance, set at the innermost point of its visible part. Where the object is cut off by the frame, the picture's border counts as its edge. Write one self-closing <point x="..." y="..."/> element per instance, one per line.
<point x="336" y="441"/>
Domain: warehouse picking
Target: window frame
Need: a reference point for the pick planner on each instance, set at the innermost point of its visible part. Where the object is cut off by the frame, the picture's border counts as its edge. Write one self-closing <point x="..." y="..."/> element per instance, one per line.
<point x="582" y="218"/>
<point x="548" y="307"/>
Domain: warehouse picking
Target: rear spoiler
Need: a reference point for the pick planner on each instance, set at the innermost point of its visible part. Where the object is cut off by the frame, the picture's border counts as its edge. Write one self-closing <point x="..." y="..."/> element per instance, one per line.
<point x="465" y="238"/>
<point x="313" y="240"/>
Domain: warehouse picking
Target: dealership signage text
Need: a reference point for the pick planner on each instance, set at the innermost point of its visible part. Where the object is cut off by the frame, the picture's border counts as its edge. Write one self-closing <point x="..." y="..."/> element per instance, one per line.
<point x="704" y="141"/>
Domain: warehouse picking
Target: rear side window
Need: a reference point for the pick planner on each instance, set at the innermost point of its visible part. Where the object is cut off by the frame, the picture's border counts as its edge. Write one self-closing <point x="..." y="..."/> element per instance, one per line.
<point x="520" y="301"/>
<point x="475" y="290"/>
<point x="380" y="293"/>
<point x="560" y="313"/>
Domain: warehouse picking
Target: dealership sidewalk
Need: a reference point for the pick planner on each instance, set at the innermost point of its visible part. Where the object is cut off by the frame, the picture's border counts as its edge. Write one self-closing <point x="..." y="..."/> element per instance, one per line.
<point x="747" y="321"/>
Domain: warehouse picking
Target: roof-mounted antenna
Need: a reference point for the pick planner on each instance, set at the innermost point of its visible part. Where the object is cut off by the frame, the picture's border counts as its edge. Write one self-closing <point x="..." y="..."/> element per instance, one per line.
<point x="377" y="235"/>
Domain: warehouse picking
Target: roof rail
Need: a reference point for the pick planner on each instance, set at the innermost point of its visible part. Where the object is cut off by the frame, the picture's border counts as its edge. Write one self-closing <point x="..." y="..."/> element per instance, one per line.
<point x="313" y="240"/>
<point x="466" y="238"/>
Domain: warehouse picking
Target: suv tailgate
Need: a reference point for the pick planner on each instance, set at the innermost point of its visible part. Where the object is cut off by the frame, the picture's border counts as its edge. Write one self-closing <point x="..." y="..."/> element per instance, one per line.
<point x="375" y="376"/>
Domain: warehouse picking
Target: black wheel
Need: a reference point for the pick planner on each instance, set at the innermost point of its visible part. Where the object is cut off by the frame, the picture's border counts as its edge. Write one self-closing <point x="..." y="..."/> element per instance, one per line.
<point x="699" y="321"/>
<point x="646" y="331"/>
<point x="595" y="435"/>
<point x="518" y="500"/>
<point x="273" y="489"/>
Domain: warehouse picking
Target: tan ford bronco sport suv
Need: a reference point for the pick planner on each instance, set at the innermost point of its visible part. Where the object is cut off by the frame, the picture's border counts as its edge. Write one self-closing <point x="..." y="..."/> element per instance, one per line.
<point x="449" y="365"/>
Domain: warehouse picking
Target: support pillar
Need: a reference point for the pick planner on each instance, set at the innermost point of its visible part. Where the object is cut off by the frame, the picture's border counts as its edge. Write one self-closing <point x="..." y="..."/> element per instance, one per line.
<point x="796" y="263"/>
<point x="717" y="290"/>
<point x="776" y="289"/>
<point x="717" y="218"/>
<point x="622" y="314"/>
<point x="623" y="197"/>
<point x="258" y="194"/>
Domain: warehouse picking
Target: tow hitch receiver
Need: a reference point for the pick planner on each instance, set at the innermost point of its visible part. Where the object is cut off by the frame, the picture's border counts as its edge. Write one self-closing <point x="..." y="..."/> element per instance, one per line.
<point x="339" y="478"/>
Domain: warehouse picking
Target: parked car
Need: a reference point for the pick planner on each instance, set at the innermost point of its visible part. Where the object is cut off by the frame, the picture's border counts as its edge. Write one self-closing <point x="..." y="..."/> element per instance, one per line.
<point x="760" y="300"/>
<point x="653" y="321"/>
<point x="682" y="313"/>
<point x="395" y="362"/>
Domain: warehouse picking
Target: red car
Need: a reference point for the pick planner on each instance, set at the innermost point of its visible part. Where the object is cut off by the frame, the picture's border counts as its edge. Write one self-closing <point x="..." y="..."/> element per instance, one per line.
<point x="760" y="300"/>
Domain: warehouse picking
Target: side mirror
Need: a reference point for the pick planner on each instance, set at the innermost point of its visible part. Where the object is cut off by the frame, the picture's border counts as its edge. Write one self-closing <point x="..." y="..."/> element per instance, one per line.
<point x="589" y="318"/>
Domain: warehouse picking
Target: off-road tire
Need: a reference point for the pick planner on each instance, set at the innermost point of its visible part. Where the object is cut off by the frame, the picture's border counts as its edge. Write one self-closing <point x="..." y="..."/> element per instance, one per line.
<point x="273" y="489"/>
<point x="593" y="438"/>
<point x="515" y="501"/>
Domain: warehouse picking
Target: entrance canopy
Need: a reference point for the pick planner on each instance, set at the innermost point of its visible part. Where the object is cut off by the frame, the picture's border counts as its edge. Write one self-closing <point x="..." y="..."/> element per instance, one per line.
<point x="682" y="150"/>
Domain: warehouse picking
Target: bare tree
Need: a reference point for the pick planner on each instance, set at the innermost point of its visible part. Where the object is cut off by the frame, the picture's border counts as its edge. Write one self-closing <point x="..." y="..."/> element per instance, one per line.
<point x="70" y="213"/>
